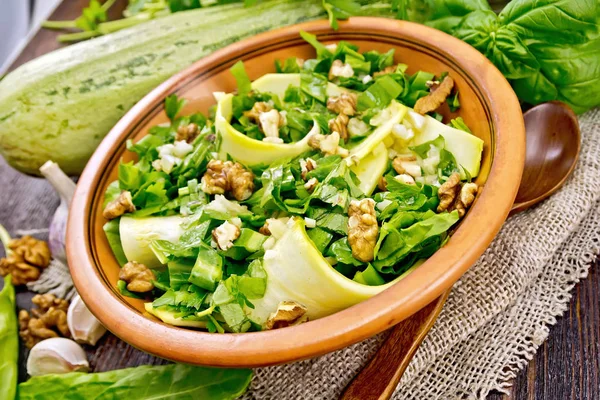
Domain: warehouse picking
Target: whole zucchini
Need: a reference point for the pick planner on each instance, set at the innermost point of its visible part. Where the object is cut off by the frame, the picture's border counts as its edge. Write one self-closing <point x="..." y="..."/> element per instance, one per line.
<point x="61" y="105"/>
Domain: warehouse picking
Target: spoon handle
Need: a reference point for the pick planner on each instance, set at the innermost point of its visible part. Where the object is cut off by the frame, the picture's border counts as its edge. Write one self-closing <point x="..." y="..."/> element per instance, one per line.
<point x="379" y="378"/>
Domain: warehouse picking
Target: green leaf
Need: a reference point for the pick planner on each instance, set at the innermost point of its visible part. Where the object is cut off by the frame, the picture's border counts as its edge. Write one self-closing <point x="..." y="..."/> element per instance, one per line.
<point x="173" y="106"/>
<point x="189" y="296"/>
<point x="569" y="73"/>
<point x="289" y="66"/>
<point x="321" y="238"/>
<point x="234" y="317"/>
<point x="208" y="269"/>
<point x="322" y="51"/>
<point x="460" y="124"/>
<point x="399" y="243"/>
<point x="111" y="230"/>
<point x="314" y="85"/>
<point x="145" y="382"/>
<point x="369" y="276"/>
<point x="444" y="15"/>
<point x="553" y="21"/>
<point x="334" y="222"/>
<point x="342" y="252"/>
<point x="130" y="176"/>
<point x="179" y="272"/>
<point x="9" y="340"/>
<point x="91" y="16"/>
<point x="359" y="66"/>
<point x="112" y="192"/>
<point x="182" y="5"/>
<point x="122" y="286"/>
<point x="453" y="102"/>
<point x="244" y="84"/>
<point x="340" y="9"/>
<point x="380" y="94"/>
<point x="379" y="61"/>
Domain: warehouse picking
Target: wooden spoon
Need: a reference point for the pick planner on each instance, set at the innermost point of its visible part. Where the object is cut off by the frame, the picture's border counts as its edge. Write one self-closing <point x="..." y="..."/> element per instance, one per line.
<point x="553" y="143"/>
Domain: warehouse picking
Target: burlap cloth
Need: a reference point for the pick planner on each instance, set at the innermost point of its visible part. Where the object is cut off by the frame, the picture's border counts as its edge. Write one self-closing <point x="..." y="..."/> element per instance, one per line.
<point x="496" y="316"/>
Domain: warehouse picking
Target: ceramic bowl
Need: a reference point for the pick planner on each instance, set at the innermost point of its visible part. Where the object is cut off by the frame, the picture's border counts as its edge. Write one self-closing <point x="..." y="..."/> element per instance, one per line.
<point x="489" y="107"/>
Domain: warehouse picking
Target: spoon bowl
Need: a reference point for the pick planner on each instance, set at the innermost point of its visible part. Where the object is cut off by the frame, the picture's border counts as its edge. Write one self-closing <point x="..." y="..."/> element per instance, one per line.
<point x="553" y="144"/>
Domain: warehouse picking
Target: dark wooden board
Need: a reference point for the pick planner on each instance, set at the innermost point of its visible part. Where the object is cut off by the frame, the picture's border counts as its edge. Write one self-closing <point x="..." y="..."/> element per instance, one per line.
<point x="565" y="367"/>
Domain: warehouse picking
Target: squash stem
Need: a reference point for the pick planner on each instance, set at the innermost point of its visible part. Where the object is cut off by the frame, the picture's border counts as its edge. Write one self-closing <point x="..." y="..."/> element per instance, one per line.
<point x="58" y="24"/>
<point x="113" y="26"/>
<point x="75" y="37"/>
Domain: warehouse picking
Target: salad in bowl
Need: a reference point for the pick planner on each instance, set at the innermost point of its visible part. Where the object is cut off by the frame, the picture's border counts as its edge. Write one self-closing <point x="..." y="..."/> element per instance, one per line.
<point x="303" y="193"/>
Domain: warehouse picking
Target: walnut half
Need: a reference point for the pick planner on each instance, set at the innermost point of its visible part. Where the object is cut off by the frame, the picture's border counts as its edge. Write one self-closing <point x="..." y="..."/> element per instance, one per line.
<point x="35" y="252"/>
<point x="328" y="144"/>
<point x="436" y="96"/>
<point x="288" y="313"/>
<point x="20" y="271"/>
<point x="119" y="206"/>
<point x="226" y="176"/>
<point x="27" y="257"/>
<point x="340" y="124"/>
<point x="454" y="196"/>
<point x="47" y="321"/>
<point x="362" y="229"/>
<point x="345" y="103"/>
<point x="138" y="277"/>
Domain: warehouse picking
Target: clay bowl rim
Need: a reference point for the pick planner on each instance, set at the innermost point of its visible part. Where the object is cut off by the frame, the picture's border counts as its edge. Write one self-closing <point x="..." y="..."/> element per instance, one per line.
<point x="356" y="323"/>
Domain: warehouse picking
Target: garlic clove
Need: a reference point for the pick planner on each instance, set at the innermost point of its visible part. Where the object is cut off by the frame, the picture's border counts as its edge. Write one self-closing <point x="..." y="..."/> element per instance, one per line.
<point x="56" y="356"/>
<point x="84" y="327"/>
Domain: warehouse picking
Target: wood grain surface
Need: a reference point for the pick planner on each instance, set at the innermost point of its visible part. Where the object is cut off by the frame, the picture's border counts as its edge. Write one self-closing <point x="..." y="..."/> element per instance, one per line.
<point x="566" y="366"/>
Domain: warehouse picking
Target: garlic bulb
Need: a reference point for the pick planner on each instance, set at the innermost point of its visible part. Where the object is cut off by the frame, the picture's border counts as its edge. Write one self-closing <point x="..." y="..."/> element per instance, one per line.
<point x="84" y="327"/>
<point x="65" y="188"/>
<point x="56" y="356"/>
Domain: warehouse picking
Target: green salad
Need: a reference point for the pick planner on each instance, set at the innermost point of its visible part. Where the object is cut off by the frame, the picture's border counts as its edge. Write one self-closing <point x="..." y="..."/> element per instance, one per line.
<point x="303" y="193"/>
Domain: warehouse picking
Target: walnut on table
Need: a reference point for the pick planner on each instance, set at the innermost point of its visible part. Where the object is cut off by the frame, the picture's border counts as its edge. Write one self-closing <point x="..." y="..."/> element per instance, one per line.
<point x="27" y="257"/>
<point x="48" y="320"/>
<point x="226" y="176"/>
<point x="137" y="276"/>
<point x="119" y="206"/>
<point x="362" y="229"/>
<point x="35" y="252"/>
<point x="20" y="271"/>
